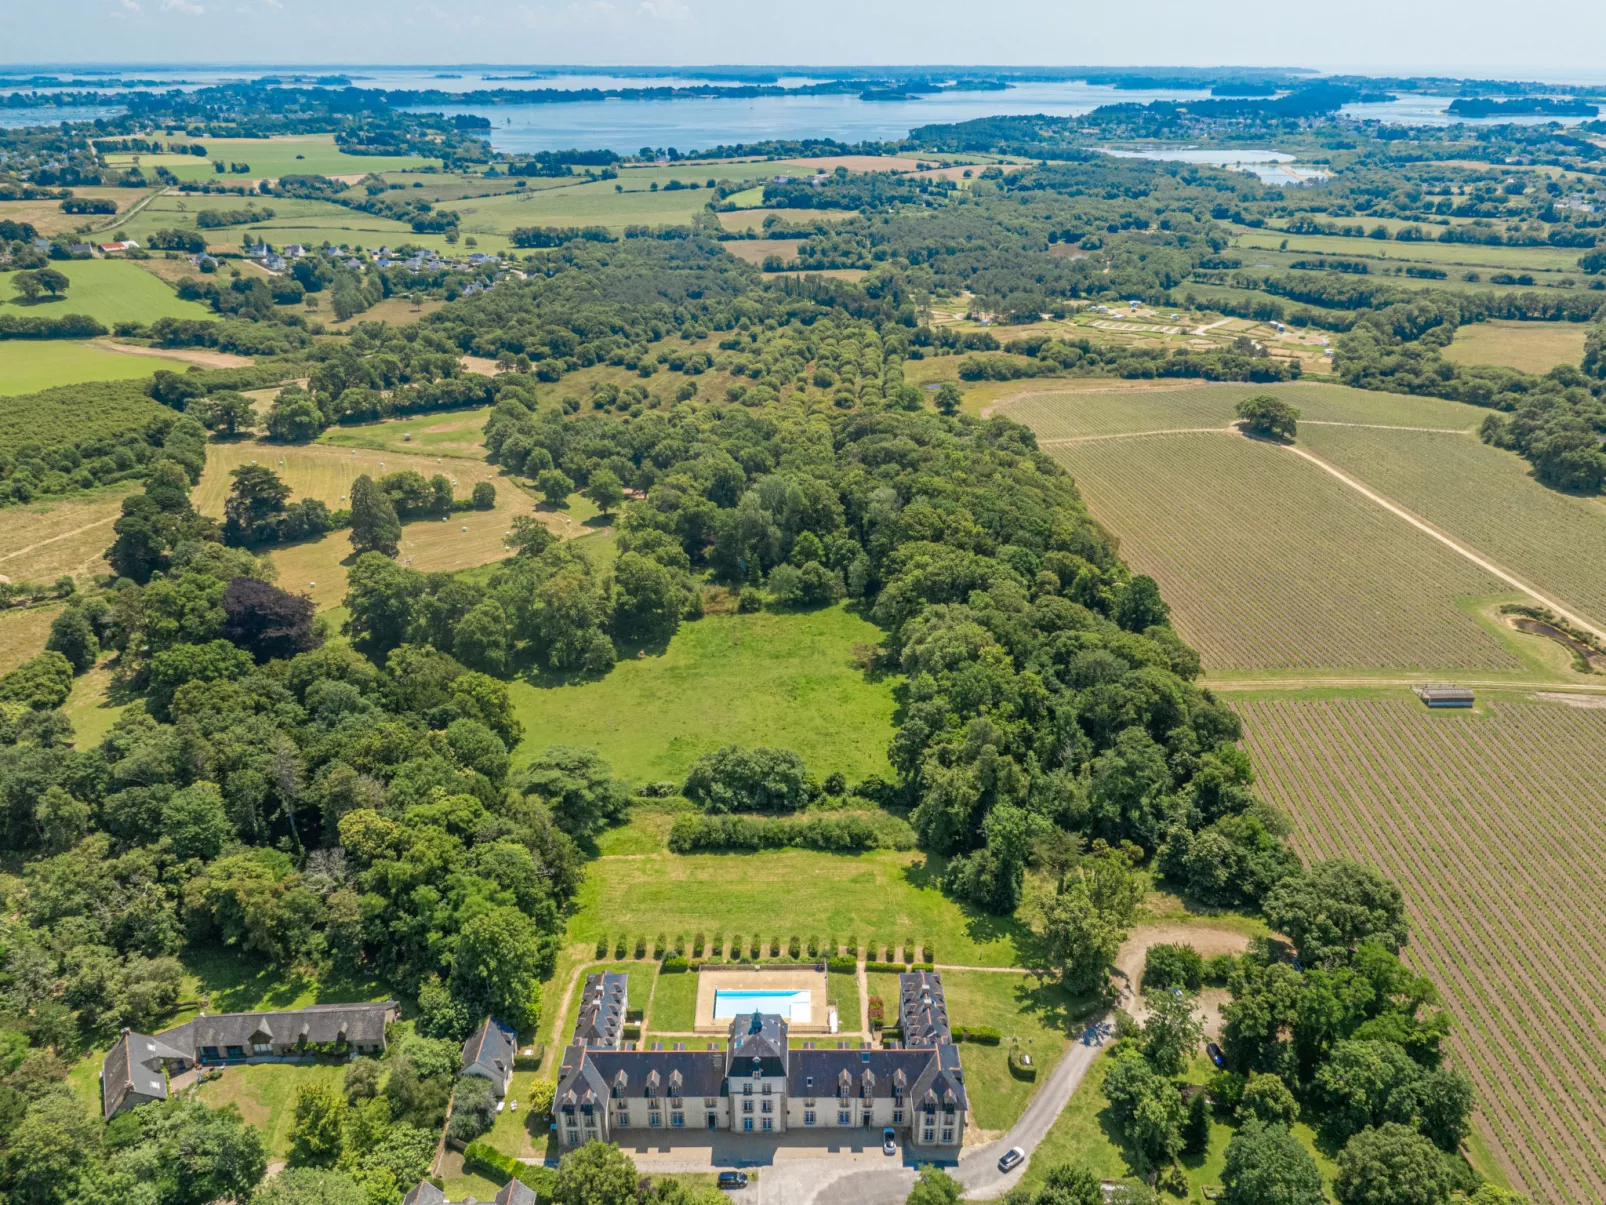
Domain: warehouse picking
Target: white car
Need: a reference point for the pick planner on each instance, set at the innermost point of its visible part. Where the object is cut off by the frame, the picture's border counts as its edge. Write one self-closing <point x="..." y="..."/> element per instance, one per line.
<point x="1012" y="1158"/>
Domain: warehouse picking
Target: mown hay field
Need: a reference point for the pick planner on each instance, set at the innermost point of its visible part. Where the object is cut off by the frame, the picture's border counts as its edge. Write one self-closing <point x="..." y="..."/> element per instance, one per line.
<point x="1528" y="346"/>
<point x="43" y="540"/>
<point x="48" y="218"/>
<point x="293" y="155"/>
<point x="1486" y="499"/>
<point x="1270" y="563"/>
<point x="1494" y="824"/>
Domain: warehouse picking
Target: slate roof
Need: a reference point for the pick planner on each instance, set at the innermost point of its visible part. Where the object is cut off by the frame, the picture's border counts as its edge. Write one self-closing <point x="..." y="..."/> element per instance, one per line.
<point x="515" y="1192"/>
<point x="757" y="1044"/>
<point x="134" y="1065"/>
<point x="922" y="1009"/>
<point x="701" y="1073"/>
<point x="602" y="1010"/>
<point x="491" y="1047"/>
<point x="425" y="1194"/>
<point x="358" y="1024"/>
<point x="866" y="1074"/>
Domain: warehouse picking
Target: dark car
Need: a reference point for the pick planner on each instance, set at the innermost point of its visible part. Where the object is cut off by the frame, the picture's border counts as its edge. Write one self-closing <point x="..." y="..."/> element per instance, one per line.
<point x="1012" y="1159"/>
<point x="733" y="1179"/>
<point x="1214" y="1052"/>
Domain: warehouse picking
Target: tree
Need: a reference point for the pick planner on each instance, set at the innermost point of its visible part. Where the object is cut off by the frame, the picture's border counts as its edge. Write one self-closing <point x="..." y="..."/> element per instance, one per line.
<point x="554" y="486"/>
<point x="598" y="1173"/>
<point x="1081" y="938"/>
<point x="195" y="820"/>
<point x="380" y="598"/>
<point x="1266" y="1165"/>
<point x="51" y="1151"/>
<point x="483" y="495"/>
<point x="646" y="600"/>
<point x="934" y="1187"/>
<point x="228" y="412"/>
<point x="1196" y="1130"/>
<point x="52" y="281"/>
<point x="1444" y="1099"/>
<point x="1140" y="605"/>
<point x="480" y="640"/>
<point x="1170" y="966"/>
<point x="374" y="526"/>
<point x="1172" y="1031"/>
<point x="949" y="399"/>
<point x="1335" y="906"/>
<point x="1266" y="415"/>
<point x="267" y="622"/>
<point x="530" y="537"/>
<point x="579" y="787"/>
<point x="73" y="636"/>
<point x="1391" y="1165"/>
<point x="733" y="779"/>
<point x="318" y="1127"/>
<point x="1070" y="1184"/>
<point x="1366" y="1083"/>
<point x="473" y="1108"/>
<point x="28" y="284"/>
<point x="1147" y="1107"/>
<point x="254" y="509"/>
<point x="498" y="964"/>
<point x="1267" y="1098"/>
<point x="605" y="490"/>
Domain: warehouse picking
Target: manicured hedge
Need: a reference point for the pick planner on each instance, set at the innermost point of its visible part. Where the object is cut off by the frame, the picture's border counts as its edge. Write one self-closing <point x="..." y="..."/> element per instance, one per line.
<point x="492" y="1163"/>
<point x="1020" y="1070"/>
<point x="982" y="1035"/>
<point x="833" y="832"/>
<point x="890" y="968"/>
<point x="841" y="966"/>
<point x="674" y="966"/>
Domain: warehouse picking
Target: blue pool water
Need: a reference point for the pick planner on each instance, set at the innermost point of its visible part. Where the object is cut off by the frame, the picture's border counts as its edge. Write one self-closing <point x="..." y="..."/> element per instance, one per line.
<point x="795" y="1006"/>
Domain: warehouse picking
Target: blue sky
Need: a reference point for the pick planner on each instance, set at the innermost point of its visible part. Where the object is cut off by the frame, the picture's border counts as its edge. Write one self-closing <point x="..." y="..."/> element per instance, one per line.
<point x="1562" y="39"/>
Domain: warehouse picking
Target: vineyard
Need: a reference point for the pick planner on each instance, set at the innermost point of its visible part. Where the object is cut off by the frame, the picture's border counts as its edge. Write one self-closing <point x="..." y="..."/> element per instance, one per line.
<point x="1080" y="413"/>
<point x="1486" y="498"/>
<point x="1495" y="826"/>
<point x="1270" y="563"/>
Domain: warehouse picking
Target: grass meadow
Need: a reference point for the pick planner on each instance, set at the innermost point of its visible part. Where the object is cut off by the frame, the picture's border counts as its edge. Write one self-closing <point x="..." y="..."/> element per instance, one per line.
<point x="1528" y="346"/>
<point x="1490" y="821"/>
<point x="31" y="365"/>
<point x="294" y="155"/>
<point x="110" y="291"/>
<point x="787" y="680"/>
<point x="48" y="218"/>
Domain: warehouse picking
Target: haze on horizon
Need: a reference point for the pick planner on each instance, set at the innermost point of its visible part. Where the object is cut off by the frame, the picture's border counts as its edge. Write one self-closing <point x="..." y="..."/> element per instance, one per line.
<point x="1452" y="37"/>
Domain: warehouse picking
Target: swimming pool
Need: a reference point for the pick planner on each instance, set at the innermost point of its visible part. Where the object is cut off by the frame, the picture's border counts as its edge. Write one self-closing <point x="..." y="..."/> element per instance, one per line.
<point x="795" y="1006"/>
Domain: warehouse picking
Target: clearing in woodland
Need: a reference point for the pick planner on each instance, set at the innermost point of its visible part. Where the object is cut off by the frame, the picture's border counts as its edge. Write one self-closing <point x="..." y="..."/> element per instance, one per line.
<point x="1492" y="824"/>
<point x="1527" y="346"/>
<point x="1270" y="563"/>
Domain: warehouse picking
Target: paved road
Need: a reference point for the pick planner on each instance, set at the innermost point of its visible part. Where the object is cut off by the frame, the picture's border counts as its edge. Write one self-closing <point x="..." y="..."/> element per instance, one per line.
<point x="862" y="1182"/>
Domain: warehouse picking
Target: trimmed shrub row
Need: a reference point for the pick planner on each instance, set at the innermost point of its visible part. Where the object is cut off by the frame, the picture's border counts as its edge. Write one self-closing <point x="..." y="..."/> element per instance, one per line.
<point x="982" y="1035"/>
<point x="677" y="954"/>
<point x="833" y="832"/>
<point x="1020" y="1070"/>
<point x="491" y="1163"/>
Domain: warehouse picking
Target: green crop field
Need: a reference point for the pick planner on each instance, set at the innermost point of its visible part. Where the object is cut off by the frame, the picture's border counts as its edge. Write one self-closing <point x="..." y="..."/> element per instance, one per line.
<point x="786" y="680"/>
<point x="1492" y="824"/>
<point x="1530" y="346"/>
<point x="1486" y="499"/>
<point x="31" y="365"/>
<point x="111" y="291"/>
<point x="594" y="203"/>
<point x="1075" y="414"/>
<point x="299" y="155"/>
<point x="1270" y="563"/>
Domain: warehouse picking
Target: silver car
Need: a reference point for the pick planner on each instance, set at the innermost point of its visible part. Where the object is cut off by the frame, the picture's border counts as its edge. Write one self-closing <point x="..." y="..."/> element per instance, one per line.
<point x="1011" y="1159"/>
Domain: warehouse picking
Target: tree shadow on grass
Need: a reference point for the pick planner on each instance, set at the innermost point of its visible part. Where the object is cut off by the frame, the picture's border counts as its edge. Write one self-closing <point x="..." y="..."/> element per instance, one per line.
<point x="981" y="927"/>
<point x="235" y="981"/>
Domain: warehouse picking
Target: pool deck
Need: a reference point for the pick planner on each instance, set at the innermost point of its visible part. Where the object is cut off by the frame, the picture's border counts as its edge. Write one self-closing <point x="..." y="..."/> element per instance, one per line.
<point x="711" y="980"/>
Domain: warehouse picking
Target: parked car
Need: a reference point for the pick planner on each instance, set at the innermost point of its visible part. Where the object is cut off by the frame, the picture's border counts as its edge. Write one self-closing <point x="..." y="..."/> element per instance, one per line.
<point x="1214" y="1052"/>
<point x="889" y="1141"/>
<point x="1012" y="1159"/>
<point x="733" y="1179"/>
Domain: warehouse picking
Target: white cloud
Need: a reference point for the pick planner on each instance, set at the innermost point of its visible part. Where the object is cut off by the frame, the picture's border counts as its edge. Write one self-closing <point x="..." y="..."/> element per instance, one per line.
<point x="183" y="6"/>
<point x="665" y="10"/>
<point x="129" y="6"/>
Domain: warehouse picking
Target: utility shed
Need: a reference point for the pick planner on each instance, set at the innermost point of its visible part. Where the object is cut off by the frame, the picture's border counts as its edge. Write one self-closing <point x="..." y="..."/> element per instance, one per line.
<point x="1439" y="694"/>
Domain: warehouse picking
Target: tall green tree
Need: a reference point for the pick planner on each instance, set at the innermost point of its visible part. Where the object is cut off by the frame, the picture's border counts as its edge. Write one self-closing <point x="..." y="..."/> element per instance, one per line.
<point x="598" y="1173"/>
<point x="374" y="526"/>
<point x="1266" y="1165"/>
<point x="1391" y="1165"/>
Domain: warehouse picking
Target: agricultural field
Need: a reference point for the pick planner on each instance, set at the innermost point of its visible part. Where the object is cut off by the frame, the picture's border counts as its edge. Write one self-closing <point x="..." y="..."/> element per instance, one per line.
<point x="110" y="291"/>
<point x="1528" y="346"/>
<point x="1270" y="563"/>
<point x="782" y="679"/>
<point x="1492" y="824"/>
<point x="1100" y="410"/>
<point x="48" y="219"/>
<point x="1485" y="498"/>
<point x="1385" y="256"/>
<point x="41" y="541"/>
<point x="588" y="203"/>
<point x="295" y="155"/>
<point x="23" y="631"/>
<point x="740" y="220"/>
<point x="31" y="365"/>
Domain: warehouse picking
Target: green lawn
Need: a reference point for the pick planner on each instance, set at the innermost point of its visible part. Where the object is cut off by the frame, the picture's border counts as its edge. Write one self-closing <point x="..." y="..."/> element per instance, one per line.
<point x="28" y="366"/>
<point x="265" y="1094"/>
<point x="674" y="1003"/>
<point x="785" y="680"/>
<point x="793" y="893"/>
<point x="237" y="983"/>
<point x="305" y="154"/>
